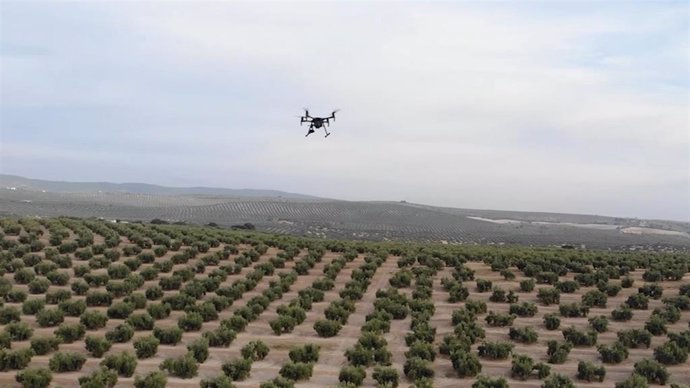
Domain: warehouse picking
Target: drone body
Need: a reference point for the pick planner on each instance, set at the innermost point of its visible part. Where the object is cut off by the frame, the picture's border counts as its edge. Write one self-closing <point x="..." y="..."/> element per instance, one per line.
<point x="316" y="122"/>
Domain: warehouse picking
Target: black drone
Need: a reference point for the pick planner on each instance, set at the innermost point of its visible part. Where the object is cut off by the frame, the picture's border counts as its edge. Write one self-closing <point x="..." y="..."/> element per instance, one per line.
<point x="316" y="122"/>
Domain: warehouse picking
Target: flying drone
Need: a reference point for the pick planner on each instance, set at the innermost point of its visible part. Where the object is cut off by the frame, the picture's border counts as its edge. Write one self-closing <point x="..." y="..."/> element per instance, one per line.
<point x="316" y="122"/>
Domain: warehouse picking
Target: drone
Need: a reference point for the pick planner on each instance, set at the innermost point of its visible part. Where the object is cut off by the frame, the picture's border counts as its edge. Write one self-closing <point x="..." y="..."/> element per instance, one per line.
<point x="316" y="122"/>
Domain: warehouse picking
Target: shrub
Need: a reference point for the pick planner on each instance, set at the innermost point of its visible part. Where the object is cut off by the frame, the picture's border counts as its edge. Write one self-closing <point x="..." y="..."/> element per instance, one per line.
<point x="656" y="325"/>
<point x="495" y="350"/>
<point x="9" y="314"/>
<point x="652" y="290"/>
<point x="141" y="321"/>
<point x="573" y="310"/>
<point x="634" y="381"/>
<point x="146" y="347"/>
<point x="5" y="340"/>
<point x="123" y="363"/>
<point x="669" y="313"/>
<point x="66" y="362"/>
<point x="613" y="354"/>
<point x="327" y="328"/>
<point x="190" y="322"/>
<point x="159" y="310"/>
<point x="120" y="333"/>
<point x="421" y="350"/>
<point x="24" y="276"/>
<point x="521" y="367"/>
<point x="58" y="278"/>
<point x="594" y="298"/>
<point x="17" y="359"/>
<point x="184" y="367"/>
<point x="638" y="302"/>
<point x="622" y="314"/>
<point x="97" y="346"/>
<point x="557" y="352"/>
<point x="610" y="289"/>
<point x="98" y="298"/>
<point x="221" y="337"/>
<point x="580" y="338"/>
<point x="600" y="324"/>
<point x="33" y="306"/>
<point x="465" y="363"/>
<point x="525" y="335"/>
<point x="552" y="321"/>
<point x="670" y="353"/>
<point x="476" y="306"/>
<point x="154" y="379"/>
<point x="16" y="296"/>
<point x="484" y="285"/>
<point x="238" y="369"/>
<point x="168" y="336"/>
<point x="400" y="279"/>
<point x="44" y="345"/>
<point x="57" y="296"/>
<point x="283" y="324"/>
<point x="93" y="319"/>
<point x="567" y="286"/>
<point x="19" y="331"/>
<point x="305" y="354"/>
<point x="549" y="296"/>
<point x="589" y="372"/>
<point x="386" y="377"/>
<point x="498" y="295"/>
<point x="70" y="332"/>
<point x="635" y="338"/>
<point x="558" y="381"/>
<point x="416" y="368"/>
<point x="138" y="300"/>
<point x="220" y="381"/>
<point x="359" y="355"/>
<point x="296" y="371"/>
<point x="34" y="378"/>
<point x="72" y="308"/>
<point x="101" y="378"/>
<point x="652" y="370"/>
<point x="352" y="374"/>
<point x="120" y="310"/>
<point x="199" y="349"/>
<point x="627" y="282"/>
<point x="499" y="320"/>
<point x="38" y="286"/>
<point x="488" y="382"/>
<point x="255" y="350"/>
<point x="526" y="309"/>
<point x="680" y="302"/>
<point x="527" y="285"/>
<point x="236" y="323"/>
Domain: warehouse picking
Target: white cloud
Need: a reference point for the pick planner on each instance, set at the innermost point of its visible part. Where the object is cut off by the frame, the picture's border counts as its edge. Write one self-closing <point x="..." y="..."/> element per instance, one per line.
<point x="469" y="104"/>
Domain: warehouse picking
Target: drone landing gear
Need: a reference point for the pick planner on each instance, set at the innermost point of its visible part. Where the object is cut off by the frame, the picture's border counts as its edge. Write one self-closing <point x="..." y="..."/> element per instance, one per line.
<point x="311" y="130"/>
<point x="327" y="134"/>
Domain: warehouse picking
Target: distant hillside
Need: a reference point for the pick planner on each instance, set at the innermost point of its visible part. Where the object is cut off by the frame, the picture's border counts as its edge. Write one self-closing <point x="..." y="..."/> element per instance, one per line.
<point x="281" y="212"/>
<point x="139" y="188"/>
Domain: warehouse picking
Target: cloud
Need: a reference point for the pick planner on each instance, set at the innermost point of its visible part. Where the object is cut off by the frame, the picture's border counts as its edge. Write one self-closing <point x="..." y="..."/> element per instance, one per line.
<point x="560" y="107"/>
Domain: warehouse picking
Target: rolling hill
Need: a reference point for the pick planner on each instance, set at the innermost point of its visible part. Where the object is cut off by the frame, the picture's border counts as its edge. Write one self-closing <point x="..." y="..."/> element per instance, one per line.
<point x="280" y="212"/>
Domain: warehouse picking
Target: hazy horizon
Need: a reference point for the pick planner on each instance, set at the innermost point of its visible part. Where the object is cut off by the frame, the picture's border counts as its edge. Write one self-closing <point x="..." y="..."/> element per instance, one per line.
<point x="568" y="107"/>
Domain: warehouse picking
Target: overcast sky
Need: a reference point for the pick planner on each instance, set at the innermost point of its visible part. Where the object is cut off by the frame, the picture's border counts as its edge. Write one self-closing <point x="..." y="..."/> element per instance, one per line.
<point x="575" y="107"/>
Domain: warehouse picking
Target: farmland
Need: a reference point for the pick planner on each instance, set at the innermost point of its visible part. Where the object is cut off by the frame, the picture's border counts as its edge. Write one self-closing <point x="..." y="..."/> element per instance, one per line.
<point x="376" y="221"/>
<point x="139" y="304"/>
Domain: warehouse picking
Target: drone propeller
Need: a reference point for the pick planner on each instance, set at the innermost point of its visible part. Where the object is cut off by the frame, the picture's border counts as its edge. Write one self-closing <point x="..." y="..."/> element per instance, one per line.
<point x="333" y="114"/>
